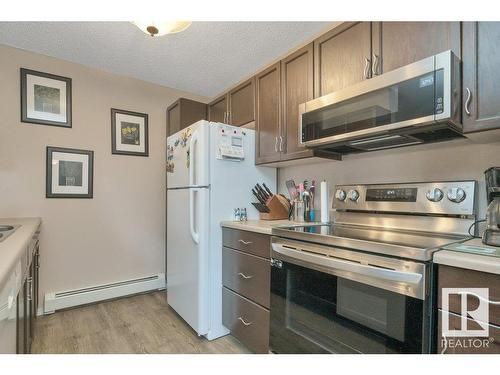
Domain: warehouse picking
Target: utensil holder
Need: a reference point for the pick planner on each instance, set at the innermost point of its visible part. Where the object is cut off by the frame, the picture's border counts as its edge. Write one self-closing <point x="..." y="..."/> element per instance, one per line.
<point x="279" y="208"/>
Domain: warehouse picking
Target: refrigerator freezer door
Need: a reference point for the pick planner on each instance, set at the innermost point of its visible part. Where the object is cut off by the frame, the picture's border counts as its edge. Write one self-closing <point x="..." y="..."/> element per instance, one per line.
<point x="187" y="255"/>
<point x="187" y="164"/>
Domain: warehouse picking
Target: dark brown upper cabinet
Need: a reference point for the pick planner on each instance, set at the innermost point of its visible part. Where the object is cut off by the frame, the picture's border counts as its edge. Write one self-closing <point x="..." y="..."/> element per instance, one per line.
<point x="236" y="107"/>
<point x="396" y="44"/>
<point x="342" y="57"/>
<point x="297" y="87"/>
<point x="218" y="109"/>
<point x="268" y="115"/>
<point x="480" y="92"/>
<point x="183" y="113"/>
<point x="242" y="103"/>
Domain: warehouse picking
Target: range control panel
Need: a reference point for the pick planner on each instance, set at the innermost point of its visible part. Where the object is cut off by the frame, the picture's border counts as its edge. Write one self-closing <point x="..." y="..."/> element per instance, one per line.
<point x="230" y="142"/>
<point x="447" y="198"/>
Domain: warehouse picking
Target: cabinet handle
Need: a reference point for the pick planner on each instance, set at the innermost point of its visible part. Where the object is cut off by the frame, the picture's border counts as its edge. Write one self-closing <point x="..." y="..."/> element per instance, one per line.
<point x="243" y="321"/>
<point x="245" y="242"/>
<point x="242" y="275"/>
<point x="281" y="143"/>
<point x="275" y="144"/>
<point x="225" y="117"/>
<point x="467" y="101"/>
<point x="375" y="70"/>
<point x="366" y="72"/>
<point x="229" y="117"/>
<point x="30" y="288"/>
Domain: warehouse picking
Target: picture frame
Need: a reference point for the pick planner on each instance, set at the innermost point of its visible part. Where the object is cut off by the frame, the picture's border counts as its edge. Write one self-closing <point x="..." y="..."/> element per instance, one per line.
<point x="129" y="133"/>
<point x="45" y="99"/>
<point x="69" y="173"/>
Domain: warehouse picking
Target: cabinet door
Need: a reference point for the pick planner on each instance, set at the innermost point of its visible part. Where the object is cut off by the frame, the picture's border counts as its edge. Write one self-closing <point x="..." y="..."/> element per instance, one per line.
<point x="481" y="75"/>
<point x="183" y="113"/>
<point x="396" y="44"/>
<point x="21" y="320"/>
<point x="241" y="103"/>
<point x="36" y="281"/>
<point x="342" y="57"/>
<point x="297" y="87"/>
<point x="174" y="118"/>
<point x="217" y="110"/>
<point x="267" y="115"/>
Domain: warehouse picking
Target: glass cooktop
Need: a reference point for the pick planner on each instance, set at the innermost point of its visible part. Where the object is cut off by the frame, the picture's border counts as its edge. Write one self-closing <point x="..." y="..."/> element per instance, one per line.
<point x="413" y="244"/>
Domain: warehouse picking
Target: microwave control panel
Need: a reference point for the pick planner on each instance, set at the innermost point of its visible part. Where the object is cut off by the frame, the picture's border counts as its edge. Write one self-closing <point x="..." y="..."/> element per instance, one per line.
<point x="230" y="142"/>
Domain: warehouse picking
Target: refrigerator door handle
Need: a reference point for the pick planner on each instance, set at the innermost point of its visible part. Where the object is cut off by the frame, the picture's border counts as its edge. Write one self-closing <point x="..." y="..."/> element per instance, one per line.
<point x="192" y="170"/>
<point x="194" y="235"/>
<point x="192" y="158"/>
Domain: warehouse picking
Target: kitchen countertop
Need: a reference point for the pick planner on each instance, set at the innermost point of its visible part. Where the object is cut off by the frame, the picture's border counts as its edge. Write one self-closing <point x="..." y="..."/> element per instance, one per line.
<point x="457" y="255"/>
<point x="260" y="226"/>
<point x="11" y="249"/>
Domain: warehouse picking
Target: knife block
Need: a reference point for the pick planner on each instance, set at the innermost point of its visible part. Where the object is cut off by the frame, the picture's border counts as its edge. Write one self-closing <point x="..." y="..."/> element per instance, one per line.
<point x="279" y="208"/>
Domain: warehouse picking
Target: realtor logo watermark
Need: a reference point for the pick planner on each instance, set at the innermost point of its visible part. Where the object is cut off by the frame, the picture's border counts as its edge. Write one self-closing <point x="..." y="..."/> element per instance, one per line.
<point x="473" y="330"/>
<point x="480" y="314"/>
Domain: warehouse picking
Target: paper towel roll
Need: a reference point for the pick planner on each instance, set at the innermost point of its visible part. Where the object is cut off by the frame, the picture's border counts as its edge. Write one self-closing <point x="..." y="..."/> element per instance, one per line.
<point x="325" y="203"/>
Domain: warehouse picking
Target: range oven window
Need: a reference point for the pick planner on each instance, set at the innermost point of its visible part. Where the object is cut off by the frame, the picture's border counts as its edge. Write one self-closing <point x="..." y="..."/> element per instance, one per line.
<point x="415" y="98"/>
<point x="315" y="312"/>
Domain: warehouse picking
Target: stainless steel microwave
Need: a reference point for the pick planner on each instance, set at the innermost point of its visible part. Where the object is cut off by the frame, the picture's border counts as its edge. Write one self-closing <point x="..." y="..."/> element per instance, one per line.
<point x="417" y="103"/>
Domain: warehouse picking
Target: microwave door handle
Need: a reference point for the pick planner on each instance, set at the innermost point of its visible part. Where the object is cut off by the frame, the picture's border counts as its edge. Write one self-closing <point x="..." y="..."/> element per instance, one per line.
<point x="345" y="265"/>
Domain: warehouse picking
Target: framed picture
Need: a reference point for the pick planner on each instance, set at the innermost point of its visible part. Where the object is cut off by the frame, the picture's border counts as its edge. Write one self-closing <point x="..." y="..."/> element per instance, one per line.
<point x="45" y="98"/>
<point x="69" y="173"/>
<point x="129" y="133"/>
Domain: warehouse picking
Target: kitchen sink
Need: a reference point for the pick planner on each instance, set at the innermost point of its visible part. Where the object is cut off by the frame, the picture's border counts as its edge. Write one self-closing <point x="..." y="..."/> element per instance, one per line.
<point x="6" y="231"/>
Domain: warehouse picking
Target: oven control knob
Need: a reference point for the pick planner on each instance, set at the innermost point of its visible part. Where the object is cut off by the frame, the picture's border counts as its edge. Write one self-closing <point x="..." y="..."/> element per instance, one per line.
<point x="456" y="195"/>
<point x="353" y="195"/>
<point x="434" y="195"/>
<point x="340" y="195"/>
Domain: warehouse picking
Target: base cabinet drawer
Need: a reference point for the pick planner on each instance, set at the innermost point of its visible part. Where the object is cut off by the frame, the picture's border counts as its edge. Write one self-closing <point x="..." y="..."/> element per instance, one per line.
<point x="466" y="345"/>
<point x="247" y="275"/>
<point x="247" y="321"/>
<point x="462" y="279"/>
<point x="248" y="242"/>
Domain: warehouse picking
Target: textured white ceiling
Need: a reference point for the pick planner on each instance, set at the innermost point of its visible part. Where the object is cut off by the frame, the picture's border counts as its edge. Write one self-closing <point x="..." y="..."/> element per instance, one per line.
<point x="205" y="59"/>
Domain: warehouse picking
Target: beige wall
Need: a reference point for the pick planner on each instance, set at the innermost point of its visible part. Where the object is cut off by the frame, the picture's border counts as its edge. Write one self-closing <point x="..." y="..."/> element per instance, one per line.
<point x="120" y="233"/>
<point x="434" y="162"/>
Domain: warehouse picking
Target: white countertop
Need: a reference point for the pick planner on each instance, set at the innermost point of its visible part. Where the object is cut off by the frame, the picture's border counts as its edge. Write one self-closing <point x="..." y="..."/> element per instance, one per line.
<point x="261" y="226"/>
<point x="469" y="260"/>
<point x="11" y="249"/>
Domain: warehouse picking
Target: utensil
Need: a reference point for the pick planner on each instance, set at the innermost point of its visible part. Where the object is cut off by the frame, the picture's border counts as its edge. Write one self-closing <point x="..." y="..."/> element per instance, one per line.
<point x="261" y="207"/>
<point x="267" y="189"/>
<point x="292" y="189"/>
<point x="262" y="192"/>
<point x="262" y="196"/>
<point x="258" y="197"/>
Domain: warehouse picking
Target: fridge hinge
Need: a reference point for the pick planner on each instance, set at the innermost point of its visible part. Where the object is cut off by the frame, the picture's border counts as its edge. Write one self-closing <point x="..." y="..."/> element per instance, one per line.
<point x="276" y="263"/>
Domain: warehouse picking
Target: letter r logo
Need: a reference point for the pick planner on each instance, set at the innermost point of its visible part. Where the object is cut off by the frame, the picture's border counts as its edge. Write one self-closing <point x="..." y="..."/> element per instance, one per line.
<point x="478" y="315"/>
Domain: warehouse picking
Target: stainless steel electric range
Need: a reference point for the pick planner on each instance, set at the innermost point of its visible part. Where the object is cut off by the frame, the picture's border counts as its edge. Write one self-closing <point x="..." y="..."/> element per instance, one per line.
<point x="365" y="283"/>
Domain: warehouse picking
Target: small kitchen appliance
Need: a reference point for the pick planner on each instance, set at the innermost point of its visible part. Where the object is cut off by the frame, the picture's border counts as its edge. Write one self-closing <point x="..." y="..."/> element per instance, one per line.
<point x="491" y="235"/>
<point x="365" y="284"/>
<point x="209" y="166"/>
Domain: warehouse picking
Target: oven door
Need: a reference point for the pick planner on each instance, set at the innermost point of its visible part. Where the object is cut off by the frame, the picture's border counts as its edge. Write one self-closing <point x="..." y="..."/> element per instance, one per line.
<point x="327" y="300"/>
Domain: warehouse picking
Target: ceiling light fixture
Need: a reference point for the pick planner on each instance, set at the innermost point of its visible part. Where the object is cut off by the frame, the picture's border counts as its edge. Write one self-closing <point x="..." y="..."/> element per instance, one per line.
<point x="155" y="28"/>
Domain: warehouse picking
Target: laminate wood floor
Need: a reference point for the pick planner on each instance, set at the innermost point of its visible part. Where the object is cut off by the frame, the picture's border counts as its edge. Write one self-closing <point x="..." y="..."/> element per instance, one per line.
<point x="138" y="324"/>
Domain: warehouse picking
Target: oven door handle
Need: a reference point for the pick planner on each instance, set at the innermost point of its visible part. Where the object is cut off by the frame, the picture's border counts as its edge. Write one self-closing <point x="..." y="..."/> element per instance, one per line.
<point x="347" y="266"/>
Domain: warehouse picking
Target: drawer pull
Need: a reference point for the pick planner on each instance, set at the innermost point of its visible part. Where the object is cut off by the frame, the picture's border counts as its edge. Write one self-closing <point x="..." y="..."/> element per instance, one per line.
<point x="242" y="275"/>
<point x="245" y="242"/>
<point x="246" y="324"/>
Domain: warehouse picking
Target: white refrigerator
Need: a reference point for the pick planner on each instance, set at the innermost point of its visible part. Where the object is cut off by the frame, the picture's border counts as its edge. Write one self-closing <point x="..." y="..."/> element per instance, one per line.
<point x="210" y="172"/>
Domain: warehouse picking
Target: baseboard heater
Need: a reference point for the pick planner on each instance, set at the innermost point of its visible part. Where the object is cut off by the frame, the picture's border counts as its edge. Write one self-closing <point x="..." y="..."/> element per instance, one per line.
<point x="70" y="298"/>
